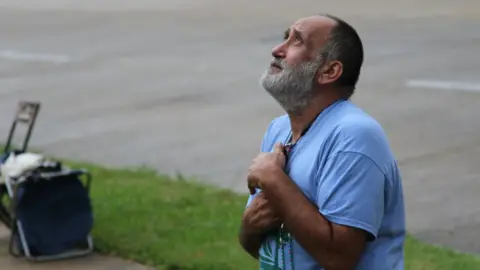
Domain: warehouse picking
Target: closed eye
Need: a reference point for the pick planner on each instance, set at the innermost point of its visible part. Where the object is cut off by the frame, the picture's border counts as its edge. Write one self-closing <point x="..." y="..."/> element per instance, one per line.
<point x="296" y="33"/>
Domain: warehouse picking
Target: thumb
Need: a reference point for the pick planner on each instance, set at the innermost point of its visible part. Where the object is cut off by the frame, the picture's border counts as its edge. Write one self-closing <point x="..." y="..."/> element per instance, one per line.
<point x="279" y="148"/>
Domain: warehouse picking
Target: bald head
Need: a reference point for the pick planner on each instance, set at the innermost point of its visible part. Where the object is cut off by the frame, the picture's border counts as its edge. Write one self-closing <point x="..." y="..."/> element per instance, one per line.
<point x="316" y="30"/>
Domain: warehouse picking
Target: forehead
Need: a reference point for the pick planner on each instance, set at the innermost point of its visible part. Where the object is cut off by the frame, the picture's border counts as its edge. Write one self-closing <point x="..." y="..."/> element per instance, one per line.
<point x="316" y="27"/>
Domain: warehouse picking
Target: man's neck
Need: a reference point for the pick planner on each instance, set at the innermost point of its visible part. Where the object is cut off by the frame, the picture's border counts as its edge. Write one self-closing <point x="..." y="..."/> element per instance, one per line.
<point x="301" y="120"/>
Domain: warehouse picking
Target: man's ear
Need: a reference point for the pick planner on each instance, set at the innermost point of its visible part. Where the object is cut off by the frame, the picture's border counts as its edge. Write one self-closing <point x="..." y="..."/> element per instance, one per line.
<point x="329" y="72"/>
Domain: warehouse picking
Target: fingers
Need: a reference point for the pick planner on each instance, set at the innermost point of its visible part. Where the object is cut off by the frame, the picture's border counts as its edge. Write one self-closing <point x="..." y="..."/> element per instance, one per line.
<point x="261" y="196"/>
<point x="251" y="184"/>
<point x="259" y="201"/>
<point x="279" y="148"/>
<point x="251" y="187"/>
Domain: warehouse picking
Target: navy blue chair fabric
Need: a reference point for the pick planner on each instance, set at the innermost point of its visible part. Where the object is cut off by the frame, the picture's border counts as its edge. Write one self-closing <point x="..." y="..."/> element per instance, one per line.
<point x="55" y="214"/>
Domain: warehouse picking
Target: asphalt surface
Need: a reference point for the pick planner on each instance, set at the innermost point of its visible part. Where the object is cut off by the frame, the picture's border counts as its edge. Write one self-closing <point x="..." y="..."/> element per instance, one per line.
<point x="174" y="86"/>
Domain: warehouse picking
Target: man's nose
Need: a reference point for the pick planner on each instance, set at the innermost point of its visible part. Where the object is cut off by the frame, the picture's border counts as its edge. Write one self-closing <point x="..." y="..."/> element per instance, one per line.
<point x="279" y="51"/>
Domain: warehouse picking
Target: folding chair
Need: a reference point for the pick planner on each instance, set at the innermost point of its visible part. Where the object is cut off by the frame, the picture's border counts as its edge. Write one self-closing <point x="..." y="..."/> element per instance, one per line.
<point x="43" y="201"/>
<point x="26" y="114"/>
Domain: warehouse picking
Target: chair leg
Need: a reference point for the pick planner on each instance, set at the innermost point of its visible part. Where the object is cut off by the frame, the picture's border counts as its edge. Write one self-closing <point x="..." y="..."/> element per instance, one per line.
<point x="14" y="242"/>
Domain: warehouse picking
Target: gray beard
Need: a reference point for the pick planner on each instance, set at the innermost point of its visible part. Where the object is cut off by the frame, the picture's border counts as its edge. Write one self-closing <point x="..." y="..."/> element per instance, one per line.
<point x="292" y="87"/>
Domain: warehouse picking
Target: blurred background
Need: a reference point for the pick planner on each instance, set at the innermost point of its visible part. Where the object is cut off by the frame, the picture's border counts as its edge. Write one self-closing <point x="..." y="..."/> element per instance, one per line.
<point x="173" y="85"/>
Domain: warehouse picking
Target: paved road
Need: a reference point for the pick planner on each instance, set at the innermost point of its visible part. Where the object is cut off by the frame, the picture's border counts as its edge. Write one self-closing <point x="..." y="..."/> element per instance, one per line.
<point x="174" y="85"/>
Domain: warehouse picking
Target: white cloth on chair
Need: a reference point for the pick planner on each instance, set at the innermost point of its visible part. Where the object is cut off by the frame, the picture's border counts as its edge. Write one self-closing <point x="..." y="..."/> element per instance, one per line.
<point x="16" y="165"/>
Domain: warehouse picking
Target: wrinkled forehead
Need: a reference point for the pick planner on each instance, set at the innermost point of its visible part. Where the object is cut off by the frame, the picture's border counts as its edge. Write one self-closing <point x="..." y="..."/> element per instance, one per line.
<point x="315" y="30"/>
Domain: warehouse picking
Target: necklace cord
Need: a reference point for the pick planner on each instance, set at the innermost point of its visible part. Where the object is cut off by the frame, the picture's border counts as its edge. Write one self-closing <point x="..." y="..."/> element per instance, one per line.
<point x="281" y="235"/>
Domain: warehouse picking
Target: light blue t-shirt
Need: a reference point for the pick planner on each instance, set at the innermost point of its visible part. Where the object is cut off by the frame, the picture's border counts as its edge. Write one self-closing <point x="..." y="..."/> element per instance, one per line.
<point x="344" y="165"/>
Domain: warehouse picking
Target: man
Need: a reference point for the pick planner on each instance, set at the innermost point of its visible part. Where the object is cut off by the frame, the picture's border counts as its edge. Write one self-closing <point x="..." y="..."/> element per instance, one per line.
<point x="326" y="189"/>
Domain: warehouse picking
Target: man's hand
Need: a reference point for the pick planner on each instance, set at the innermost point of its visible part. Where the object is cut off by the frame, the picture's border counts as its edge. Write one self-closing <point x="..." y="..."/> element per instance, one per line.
<point x="259" y="217"/>
<point x="264" y="168"/>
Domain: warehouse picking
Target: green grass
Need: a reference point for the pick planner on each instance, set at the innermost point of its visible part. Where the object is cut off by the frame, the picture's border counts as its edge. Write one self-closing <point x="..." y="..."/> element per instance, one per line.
<point x="182" y="225"/>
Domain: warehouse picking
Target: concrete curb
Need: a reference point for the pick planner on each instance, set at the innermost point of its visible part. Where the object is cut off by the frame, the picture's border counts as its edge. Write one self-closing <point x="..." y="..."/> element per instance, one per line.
<point x="92" y="262"/>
